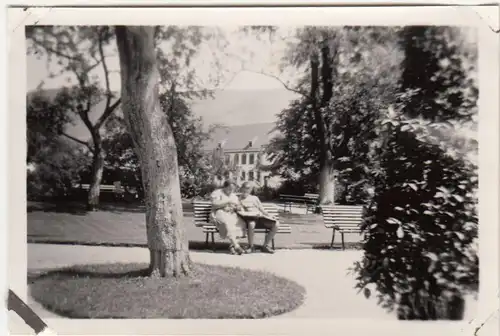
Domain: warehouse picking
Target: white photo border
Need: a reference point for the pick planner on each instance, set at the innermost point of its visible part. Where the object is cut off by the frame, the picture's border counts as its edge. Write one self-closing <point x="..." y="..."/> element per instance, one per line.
<point x="484" y="18"/>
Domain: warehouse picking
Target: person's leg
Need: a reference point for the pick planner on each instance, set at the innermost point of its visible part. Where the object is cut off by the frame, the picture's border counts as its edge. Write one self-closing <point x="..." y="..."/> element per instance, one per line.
<point x="251" y="235"/>
<point x="273" y="228"/>
<point x="228" y="230"/>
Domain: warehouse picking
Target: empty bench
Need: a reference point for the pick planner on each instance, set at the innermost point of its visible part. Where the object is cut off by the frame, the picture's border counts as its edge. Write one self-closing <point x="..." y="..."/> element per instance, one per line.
<point x="342" y="218"/>
<point x="202" y="210"/>
<point x="308" y="201"/>
<point x="312" y="202"/>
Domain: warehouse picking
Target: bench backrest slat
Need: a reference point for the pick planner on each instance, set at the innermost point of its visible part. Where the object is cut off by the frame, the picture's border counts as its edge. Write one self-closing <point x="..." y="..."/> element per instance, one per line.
<point x="343" y="216"/>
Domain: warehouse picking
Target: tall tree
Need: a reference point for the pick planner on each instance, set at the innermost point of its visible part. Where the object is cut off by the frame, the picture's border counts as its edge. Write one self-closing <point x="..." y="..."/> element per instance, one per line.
<point x="155" y="146"/>
<point x="78" y="52"/>
<point x="328" y="130"/>
<point x="190" y="136"/>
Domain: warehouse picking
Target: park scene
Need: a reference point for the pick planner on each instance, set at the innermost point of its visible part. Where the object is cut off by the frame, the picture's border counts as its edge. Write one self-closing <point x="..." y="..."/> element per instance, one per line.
<point x="192" y="172"/>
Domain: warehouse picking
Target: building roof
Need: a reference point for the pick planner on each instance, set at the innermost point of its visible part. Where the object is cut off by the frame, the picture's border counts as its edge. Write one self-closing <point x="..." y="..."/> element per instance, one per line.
<point x="239" y="137"/>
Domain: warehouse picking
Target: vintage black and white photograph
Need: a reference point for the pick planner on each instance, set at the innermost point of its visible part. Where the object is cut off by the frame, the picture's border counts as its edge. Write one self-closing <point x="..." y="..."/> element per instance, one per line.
<point x="252" y="171"/>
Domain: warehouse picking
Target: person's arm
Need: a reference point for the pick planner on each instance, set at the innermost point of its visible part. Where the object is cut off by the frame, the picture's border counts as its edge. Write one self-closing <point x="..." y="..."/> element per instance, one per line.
<point x="261" y="207"/>
<point x="217" y="201"/>
<point x="236" y="203"/>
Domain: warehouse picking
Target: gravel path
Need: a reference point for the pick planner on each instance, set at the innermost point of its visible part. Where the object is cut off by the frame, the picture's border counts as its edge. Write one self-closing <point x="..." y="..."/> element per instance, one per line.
<point x="330" y="292"/>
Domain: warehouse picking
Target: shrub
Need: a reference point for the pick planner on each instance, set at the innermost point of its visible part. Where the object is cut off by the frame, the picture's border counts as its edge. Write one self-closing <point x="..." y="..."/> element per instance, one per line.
<point x="421" y="227"/>
<point x="297" y="187"/>
<point x="55" y="169"/>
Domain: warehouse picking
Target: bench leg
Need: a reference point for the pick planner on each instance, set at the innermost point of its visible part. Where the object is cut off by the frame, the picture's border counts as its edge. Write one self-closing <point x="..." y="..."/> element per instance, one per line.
<point x="206" y="240"/>
<point x="272" y="243"/>
<point x="213" y="242"/>
<point x="343" y="245"/>
<point x="333" y="238"/>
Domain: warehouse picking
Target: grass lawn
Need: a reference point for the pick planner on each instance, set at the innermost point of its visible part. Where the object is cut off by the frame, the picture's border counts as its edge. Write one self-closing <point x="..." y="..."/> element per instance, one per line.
<point x="123" y="291"/>
<point x="125" y="226"/>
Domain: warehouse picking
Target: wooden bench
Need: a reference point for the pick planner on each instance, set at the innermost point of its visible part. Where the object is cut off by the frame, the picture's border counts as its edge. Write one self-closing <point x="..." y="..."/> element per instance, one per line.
<point x="103" y="187"/>
<point x="307" y="201"/>
<point x="342" y="218"/>
<point x="202" y="209"/>
<point x="312" y="203"/>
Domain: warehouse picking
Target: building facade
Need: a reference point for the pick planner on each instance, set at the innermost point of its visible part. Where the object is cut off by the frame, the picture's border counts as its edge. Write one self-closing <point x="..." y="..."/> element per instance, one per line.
<point x="242" y="147"/>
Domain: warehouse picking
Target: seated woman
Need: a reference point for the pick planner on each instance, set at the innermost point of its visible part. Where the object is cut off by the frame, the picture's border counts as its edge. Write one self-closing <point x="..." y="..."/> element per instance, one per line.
<point x="225" y="203"/>
<point x="257" y="217"/>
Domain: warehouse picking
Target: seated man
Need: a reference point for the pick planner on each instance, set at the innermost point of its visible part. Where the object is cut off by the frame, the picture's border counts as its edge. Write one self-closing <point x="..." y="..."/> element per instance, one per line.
<point x="257" y="217"/>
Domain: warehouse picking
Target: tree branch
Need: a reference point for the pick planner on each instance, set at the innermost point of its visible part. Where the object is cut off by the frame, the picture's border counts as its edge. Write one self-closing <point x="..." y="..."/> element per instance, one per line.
<point x="285" y="85"/>
<point x="52" y="50"/>
<point x="86" y="144"/>
<point x="107" y="113"/>
<point x="106" y="71"/>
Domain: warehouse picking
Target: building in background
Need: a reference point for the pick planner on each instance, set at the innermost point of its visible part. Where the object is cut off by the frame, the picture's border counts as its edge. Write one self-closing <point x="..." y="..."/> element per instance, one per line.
<point x="243" y="147"/>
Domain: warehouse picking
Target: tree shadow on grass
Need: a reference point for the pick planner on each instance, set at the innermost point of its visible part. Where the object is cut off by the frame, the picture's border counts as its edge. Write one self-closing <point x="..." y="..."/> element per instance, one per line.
<point x="78" y="208"/>
<point x="69" y="208"/>
<point x="86" y="271"/>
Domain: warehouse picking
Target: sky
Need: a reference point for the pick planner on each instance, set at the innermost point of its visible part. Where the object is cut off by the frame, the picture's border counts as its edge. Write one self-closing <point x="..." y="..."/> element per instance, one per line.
<point x="243" y="96"/>
<point x="242" y="52"/>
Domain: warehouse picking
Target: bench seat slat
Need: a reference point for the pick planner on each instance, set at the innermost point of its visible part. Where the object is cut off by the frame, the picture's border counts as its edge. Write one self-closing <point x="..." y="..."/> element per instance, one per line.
<point x="343" y="221"/>
<point x="341" y="227"/>
<point x="281" y="229"/>
<point x="330" y="216"/>
<point x="340" y="212"/>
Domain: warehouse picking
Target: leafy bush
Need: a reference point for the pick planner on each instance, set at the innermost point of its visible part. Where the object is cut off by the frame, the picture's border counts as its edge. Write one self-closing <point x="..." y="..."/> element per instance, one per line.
<point x="266" y="194"/>
<point x="56" y="169"/>
<point x="298" y="187"/>
<point x="422" y="225"/>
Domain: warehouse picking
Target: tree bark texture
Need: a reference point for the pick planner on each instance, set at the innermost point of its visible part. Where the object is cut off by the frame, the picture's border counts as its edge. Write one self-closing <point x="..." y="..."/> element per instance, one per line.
<point x="96" y="177"/>
<point x="326" y="175"/>
<point x="155" y="146"/>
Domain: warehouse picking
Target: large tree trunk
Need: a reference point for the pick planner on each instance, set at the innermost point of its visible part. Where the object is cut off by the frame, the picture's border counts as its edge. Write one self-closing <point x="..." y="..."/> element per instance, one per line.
<point x="327" y="172"/>
<point x="326" y="177"/>
<point x="96" y="178"/>
<point x="326" y="183"/>
<point x="155" y="146"/>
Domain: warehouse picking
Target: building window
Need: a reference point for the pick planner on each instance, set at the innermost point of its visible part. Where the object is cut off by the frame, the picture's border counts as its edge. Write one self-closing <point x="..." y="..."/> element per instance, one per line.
<point x="258" y="176"/>
<point x="250" y="176"/>
<point x="243" y="176"/>
<point x="227" y="158"/>
<point x="251" y="158"/>
<point x="243" y="159"/>
<point x="236" y="159"/>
